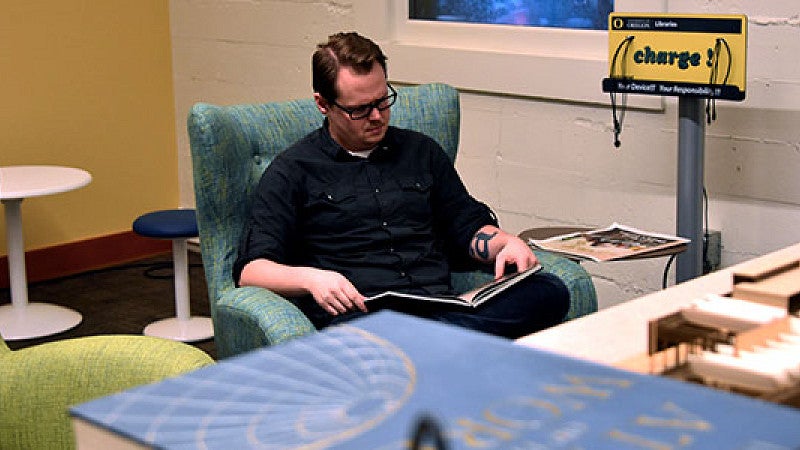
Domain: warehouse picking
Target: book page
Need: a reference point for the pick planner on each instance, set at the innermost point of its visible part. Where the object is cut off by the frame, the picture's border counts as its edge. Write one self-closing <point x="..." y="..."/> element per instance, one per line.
<point x="425" y="298"/>
<point x="479" y="295"/>
<point x="471" y="298"/>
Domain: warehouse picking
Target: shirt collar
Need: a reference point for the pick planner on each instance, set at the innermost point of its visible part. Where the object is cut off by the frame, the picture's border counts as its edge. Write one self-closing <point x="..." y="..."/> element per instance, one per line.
<point x="337" y="152"/>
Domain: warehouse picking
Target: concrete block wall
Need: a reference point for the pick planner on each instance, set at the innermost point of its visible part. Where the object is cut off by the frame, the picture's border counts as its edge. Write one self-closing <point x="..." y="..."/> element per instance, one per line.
<point x="544" y="162"/>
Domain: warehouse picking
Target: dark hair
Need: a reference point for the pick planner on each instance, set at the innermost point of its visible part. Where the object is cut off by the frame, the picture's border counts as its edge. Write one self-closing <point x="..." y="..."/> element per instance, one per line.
<point x="342" y="50"/>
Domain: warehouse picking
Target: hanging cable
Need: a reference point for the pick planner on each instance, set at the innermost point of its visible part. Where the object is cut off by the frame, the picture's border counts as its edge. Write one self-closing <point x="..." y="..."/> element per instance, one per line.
<point x="711" y="102"/>
<point x="666" y="271"/>
<point x="706" y="263"/>
<point x="618" y="120"/>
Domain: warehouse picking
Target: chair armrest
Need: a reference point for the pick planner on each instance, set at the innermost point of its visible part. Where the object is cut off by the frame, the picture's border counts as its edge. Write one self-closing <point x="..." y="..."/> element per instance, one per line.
<point x="464" y="281"/>
<point x="39" y="383"/>
<point x="583" y="297"/>
<point x="249" y="317"/>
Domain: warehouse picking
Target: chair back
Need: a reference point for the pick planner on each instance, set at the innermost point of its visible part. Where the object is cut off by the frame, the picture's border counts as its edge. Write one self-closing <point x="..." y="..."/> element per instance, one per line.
<point x="232" y="145"/>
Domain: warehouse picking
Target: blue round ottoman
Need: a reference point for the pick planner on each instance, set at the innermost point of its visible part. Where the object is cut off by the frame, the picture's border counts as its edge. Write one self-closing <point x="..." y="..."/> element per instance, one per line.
<point x="178" y="225"/>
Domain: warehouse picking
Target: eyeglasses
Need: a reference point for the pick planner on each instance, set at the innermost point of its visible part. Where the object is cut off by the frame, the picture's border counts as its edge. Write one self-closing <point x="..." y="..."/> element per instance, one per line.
<point x="362" y="111"/>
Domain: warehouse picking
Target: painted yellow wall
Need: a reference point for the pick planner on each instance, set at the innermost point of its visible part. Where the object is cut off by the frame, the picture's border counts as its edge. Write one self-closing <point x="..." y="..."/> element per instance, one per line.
<point x="89" y="85"/>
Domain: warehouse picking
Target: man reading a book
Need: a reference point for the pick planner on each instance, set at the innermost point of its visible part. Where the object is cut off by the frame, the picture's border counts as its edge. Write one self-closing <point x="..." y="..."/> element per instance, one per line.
<point x="359" y="207"/>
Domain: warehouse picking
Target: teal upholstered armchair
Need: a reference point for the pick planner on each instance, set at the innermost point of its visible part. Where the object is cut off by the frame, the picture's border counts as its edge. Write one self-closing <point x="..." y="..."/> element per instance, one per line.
<point x="232" y="145"/>
<point x="39" y="383"/>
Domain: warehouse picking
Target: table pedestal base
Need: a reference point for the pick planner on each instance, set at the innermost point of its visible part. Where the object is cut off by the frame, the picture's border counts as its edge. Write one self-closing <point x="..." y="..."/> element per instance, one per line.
<point x="186" y="330"/>
<point x="34" y="320"/>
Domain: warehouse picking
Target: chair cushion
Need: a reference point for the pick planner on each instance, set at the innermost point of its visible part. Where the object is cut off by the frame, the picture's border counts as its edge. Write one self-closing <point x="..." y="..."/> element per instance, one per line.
<point x="39" y="383"/>
<point x="167" y="224"/>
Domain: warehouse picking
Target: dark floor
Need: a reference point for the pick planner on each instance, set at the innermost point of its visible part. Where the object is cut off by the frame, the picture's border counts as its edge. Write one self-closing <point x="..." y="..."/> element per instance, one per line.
<point x="120" y="300"/>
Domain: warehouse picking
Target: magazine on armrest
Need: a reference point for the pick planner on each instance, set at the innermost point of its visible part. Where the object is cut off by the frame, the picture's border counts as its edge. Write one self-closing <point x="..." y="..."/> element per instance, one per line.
<point x="610" y="243"/>
<point x="472" y="298"/>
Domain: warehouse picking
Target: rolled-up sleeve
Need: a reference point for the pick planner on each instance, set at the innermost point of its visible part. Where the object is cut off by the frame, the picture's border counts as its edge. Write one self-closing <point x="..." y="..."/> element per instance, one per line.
<point x="458" y="214"/>
<point x="268" y="231"/>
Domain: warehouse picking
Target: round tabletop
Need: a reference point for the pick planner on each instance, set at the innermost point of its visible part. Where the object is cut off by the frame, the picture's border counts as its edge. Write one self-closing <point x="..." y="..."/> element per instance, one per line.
<point x="18" y="182"/>
<point x="21" y="319"/>
<point x="548" y="232"/>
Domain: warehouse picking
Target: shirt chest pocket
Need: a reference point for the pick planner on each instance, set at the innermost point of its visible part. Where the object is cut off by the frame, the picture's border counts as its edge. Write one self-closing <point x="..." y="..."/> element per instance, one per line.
<point x="414" y="198"/>
<point x="334" y="208"/>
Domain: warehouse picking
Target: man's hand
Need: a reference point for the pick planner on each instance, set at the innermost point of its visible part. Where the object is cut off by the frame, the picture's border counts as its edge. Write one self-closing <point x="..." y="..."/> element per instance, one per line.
<point x="493" y="244"/>
<point x="333" y="292"/>
<point x="515" y="251"/>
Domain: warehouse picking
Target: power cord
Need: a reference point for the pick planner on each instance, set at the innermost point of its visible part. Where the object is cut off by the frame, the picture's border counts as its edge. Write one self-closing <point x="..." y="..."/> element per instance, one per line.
<point x="149" y="270"/>
<point x="152" y="268"/>
<point x="706" y="237"/>
<point x="666" y="271"/>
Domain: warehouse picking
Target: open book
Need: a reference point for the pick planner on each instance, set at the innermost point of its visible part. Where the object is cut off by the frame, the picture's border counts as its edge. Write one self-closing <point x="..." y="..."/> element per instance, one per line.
<point x="613" y="242"/>
<point x="471" y="298"/>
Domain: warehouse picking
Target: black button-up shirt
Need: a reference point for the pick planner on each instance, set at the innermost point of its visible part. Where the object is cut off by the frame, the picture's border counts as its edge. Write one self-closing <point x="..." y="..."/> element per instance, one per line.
<point x="395" y="220"/>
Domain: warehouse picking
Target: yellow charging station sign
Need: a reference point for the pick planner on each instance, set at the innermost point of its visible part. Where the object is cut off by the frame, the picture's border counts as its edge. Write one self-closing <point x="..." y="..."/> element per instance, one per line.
<point x="677" y="54"/>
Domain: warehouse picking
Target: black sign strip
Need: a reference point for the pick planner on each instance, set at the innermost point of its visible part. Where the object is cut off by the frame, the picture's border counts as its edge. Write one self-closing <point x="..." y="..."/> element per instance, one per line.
<point x="677" y="24"/>
<point x="649" y="87"/>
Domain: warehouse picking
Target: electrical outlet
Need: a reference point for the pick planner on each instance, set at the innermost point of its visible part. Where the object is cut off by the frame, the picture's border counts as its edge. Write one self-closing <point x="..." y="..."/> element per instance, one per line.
<point x="713" y="251"/>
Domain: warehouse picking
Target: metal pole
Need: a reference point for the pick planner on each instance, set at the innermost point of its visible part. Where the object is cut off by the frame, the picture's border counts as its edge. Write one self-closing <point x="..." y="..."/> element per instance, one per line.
<point x="691" y="145"/>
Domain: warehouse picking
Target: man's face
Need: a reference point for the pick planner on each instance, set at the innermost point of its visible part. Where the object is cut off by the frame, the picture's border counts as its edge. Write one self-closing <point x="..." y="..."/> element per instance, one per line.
<point x="356" y="90"/>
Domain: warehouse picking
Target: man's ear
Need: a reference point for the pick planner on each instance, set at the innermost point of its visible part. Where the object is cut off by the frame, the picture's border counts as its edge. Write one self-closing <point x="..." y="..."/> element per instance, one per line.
<point x="322" y="104"/>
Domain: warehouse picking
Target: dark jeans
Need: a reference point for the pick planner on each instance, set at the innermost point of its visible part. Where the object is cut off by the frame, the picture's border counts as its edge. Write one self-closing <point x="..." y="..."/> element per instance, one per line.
<point x="533" y="304"/>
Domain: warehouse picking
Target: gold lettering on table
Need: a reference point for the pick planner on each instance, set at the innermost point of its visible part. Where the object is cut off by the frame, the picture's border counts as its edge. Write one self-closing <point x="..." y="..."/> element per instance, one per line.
<point x="481" y="435"/>
<point x="584" y="386"/>
<point x="681" y="419"/>
<point x="672" y="417"/>
<point x="522" y="413"/>
<point x="699" y="425"/>
<point x="639" y="441"/>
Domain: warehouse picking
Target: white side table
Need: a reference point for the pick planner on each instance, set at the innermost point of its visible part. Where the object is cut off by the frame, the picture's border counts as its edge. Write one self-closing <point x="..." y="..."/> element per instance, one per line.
<point x="22" y="319"/>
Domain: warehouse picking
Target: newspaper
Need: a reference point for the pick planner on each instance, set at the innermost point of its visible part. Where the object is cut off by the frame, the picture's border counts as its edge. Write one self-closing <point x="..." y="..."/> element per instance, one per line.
<point x="613" y="242"/>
